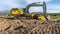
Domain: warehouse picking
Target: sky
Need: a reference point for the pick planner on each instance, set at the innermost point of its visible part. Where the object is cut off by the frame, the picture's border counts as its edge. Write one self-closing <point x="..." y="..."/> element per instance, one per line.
<point x="53" y="6"/>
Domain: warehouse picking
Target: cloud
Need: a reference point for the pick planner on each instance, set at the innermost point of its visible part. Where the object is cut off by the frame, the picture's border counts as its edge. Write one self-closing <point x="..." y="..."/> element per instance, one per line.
<point x="53" y="8"/>
<point x="8" y="4"/>
<point x="53" y="11"/>
<point x="31" y="1"/>
<point x="36" y="9"/>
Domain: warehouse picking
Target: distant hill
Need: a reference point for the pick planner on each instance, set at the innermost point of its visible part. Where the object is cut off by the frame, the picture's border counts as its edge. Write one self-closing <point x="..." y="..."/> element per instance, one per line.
<point x="54" y="13"/>
<point x="47" y="13"/>
<point x="5" y="12"/>
<point x="8" y="11"/>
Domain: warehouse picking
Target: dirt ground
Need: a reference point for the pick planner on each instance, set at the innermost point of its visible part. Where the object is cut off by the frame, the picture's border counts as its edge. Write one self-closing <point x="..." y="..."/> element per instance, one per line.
<point x="32" y="26"/>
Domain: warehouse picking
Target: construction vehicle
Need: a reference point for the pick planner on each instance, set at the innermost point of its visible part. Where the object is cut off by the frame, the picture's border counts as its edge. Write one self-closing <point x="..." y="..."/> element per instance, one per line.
<point x="20" y="13"/>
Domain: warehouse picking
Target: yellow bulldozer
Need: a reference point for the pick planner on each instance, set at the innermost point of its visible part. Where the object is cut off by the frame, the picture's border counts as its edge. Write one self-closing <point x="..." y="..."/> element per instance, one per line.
<point x="20" y="13"/>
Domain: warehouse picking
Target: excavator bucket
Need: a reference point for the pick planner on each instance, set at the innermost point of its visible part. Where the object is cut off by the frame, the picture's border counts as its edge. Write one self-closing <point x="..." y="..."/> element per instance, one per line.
<point x="42" y="18"/>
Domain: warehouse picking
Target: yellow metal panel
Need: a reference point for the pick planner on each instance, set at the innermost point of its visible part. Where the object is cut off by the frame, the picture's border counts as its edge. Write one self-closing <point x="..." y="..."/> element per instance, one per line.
<point x="41" y="17"/>
<point x="33" y="15"/>
<point x="21" y="12"/>
<point x="15" y="12"/>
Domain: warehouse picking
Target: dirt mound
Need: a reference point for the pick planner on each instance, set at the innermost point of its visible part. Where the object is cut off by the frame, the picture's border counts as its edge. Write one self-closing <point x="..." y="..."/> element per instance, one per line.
<point x="23" y="26"/>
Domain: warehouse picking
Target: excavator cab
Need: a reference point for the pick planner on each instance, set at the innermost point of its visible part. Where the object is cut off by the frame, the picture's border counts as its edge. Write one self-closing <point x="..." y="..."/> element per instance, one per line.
<point x="16" y="11"/>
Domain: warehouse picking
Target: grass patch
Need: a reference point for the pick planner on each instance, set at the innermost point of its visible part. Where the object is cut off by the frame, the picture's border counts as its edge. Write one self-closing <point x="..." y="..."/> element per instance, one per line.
<point x="57" y="17"/>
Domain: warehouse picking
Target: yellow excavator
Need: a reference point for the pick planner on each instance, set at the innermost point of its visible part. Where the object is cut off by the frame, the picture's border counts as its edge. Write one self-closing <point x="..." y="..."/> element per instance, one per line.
<point x="20" y="13"/>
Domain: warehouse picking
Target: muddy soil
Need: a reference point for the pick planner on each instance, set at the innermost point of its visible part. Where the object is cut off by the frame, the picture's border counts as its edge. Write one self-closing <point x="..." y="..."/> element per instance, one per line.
<point x="32" y="26"/>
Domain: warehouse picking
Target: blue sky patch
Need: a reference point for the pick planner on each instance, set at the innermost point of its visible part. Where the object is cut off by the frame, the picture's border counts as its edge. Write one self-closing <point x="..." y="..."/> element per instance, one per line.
<point x="53" y="6"/>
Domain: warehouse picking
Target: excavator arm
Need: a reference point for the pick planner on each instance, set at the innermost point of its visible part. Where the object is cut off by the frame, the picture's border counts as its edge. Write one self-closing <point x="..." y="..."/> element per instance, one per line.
<point x="44" y="17"/>
<point x="36" y="4"/>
